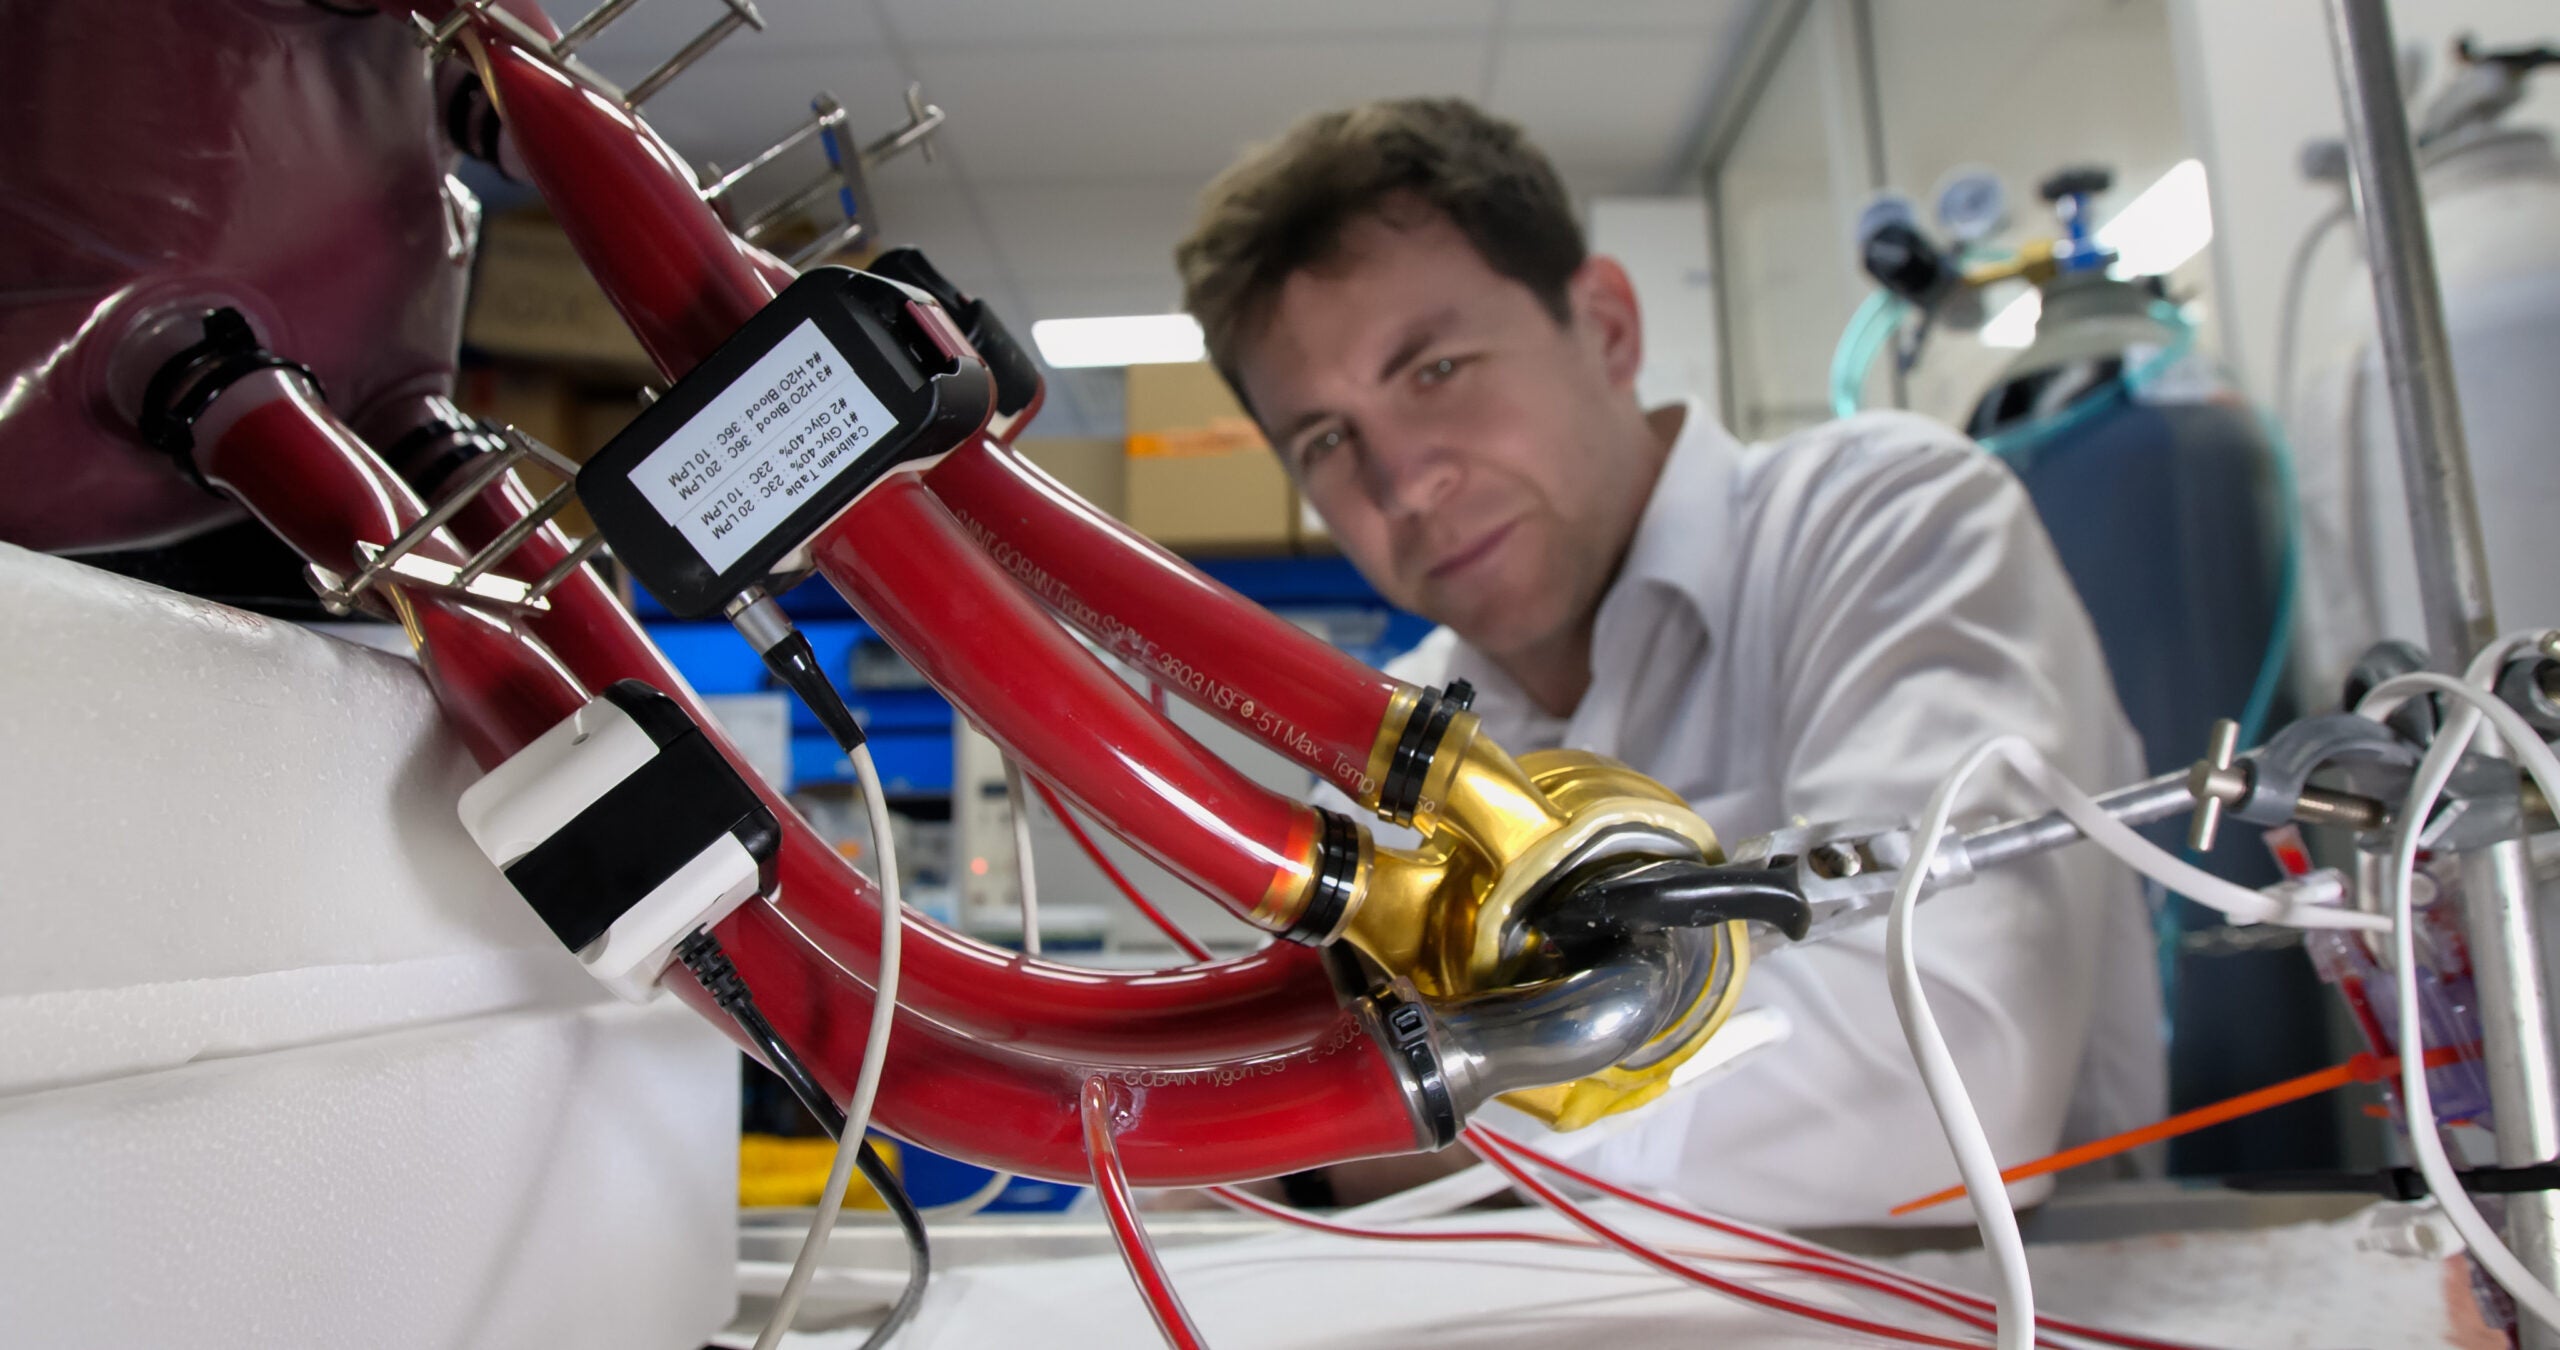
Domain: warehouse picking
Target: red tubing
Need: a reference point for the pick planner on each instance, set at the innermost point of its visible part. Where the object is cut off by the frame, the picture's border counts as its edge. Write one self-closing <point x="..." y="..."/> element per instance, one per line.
<point x="1245" y="1069"/>
<point x="1235" y="1069"/>
<point x="1013" y="1108"/>
<point x="631" y="208"/>
<point x="909" y="568"/>
<point x="1490" y="1148"/>
<point x="280" y="457"/>
<point x="1258" y="1004"/>
<point x="1824" y="1270"/>
<point x="1233" y="659"/>
<point x="1189" y="945"/>
<point x="1813" y="1251"/>
<point x="1148" y="1273"/>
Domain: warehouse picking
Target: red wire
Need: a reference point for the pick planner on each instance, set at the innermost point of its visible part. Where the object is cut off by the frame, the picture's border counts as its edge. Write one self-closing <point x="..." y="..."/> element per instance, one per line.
<point x="1819" y="1261"/>
<point x="1805" y="1249"/>
<point x="1112" y="1185"/>
<point x="1479" y="1139"/>
<point x="1190" y="947"/>
<point x="1828" y="1270"/>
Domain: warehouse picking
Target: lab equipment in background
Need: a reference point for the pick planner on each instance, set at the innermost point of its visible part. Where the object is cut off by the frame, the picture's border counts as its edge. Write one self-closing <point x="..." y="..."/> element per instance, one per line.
<point x="983" y="811"/>
<point x="2163" y="495"/>
<point x="2492" y="194"/>
<point x="2167" y="500"/>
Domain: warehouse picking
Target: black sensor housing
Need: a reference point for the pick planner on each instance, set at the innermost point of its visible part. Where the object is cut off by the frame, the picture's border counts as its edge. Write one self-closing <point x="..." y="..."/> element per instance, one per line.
<point x="838" y="379"/>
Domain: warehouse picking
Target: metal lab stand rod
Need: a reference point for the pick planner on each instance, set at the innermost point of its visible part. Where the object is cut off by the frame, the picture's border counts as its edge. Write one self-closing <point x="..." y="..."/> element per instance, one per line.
<point x="2453" y="584"/>
<point x="2444" y="512"/>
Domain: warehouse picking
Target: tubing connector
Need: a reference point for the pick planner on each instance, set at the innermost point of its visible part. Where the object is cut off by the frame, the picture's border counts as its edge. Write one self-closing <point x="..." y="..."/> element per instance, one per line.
<point x="188" y="383"/>
<point x="1454" y="915"/>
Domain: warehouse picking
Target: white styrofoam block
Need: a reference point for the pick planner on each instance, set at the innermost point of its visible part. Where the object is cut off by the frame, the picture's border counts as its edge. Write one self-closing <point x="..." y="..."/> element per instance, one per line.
<point x="287" y="1061"/>
<point x="193" y="792"/>
<point x="551" y="1179"/>
<point x="88" y="1035"/>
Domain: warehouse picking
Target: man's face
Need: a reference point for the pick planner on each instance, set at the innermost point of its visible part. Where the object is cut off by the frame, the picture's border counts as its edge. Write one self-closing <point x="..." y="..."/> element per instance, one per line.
<point x="1467" y="450"/>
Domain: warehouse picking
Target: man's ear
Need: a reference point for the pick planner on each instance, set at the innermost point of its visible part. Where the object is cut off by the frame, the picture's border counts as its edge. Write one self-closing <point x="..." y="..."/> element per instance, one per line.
<point x="1604" y="308"/>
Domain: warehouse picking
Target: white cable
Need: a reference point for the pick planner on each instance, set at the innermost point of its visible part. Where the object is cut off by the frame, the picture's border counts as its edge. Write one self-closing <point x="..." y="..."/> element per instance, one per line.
<point x="2239" y="902"/>
<point x="866" y="1084"/>
<point x="971" y="1203"/>
<point x="2515" y="735"/>
<point x="2483" y="670"/>
<point x="1021" y="804"/>
<point x="2444" y="1185"/>
<point x="2013" y="1291"/>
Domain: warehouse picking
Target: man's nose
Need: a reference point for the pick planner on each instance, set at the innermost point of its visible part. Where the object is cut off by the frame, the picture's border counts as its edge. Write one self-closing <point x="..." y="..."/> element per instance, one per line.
<point x="1411" y="471"/>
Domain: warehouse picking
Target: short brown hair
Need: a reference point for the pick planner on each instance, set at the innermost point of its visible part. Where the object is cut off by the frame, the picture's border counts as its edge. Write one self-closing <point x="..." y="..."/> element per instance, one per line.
<point x="1284" y="207"/>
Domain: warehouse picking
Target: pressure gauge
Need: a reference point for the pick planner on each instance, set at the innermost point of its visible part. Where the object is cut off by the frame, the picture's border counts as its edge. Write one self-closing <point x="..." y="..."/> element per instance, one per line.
<point x="1971" y="204"/>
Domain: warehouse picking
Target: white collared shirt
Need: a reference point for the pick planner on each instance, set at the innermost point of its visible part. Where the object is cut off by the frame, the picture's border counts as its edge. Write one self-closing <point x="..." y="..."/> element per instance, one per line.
<point x="1816" y="630"/>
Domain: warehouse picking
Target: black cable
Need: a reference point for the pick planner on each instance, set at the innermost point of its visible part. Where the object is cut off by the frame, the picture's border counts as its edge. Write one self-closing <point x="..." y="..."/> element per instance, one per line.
<point x="1610" y="902"/>
<point x="701" y="954"/>
<point x="796" y="666"/>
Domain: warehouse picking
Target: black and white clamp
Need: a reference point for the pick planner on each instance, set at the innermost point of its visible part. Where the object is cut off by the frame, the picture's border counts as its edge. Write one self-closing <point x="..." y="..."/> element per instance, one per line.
<point x="627" y="830"/>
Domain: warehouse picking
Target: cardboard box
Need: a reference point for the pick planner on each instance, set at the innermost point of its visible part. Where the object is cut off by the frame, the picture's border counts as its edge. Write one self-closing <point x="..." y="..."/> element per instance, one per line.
<point x="1095" y="468"/>
<point x="1200" y="475"/>
<point x="532" y="300"/>
<point x="541" y="403"/>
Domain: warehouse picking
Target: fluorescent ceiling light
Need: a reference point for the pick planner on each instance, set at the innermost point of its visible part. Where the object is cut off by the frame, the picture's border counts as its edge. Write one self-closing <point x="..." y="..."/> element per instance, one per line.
<point x="1122" y="340"/>
<point x="2156" y="232"/>
<point x="2169" y="223"/>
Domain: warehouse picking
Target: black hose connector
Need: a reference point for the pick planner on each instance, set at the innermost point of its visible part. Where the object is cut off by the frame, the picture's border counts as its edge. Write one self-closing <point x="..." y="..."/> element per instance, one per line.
<point x="189" y="382"/>
<point x="1337" y="878"/>
<point x="1424" y="727"/>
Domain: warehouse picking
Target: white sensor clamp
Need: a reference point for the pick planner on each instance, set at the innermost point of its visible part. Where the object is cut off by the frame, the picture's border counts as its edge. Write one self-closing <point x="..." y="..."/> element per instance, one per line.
<point x="626" y="829"/>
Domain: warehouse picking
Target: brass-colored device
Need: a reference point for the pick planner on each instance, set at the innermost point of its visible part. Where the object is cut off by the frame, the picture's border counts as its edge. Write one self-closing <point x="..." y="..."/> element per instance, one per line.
<point x="1498" y="834"/>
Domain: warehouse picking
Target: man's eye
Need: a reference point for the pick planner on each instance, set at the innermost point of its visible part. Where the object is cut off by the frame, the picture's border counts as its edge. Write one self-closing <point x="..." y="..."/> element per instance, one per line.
<point x="1436" y="371"/>
<point x="1318" y="446"/>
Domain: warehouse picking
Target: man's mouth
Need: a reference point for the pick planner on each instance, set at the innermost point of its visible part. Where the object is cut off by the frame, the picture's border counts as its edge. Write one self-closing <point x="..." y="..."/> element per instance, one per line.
<point x="1472" y="554"/>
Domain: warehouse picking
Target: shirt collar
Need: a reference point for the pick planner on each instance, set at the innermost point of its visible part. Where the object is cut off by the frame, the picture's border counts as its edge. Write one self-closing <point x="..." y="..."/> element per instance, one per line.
<point x="1680" y="541"/>
<point x="1678" y="550"/>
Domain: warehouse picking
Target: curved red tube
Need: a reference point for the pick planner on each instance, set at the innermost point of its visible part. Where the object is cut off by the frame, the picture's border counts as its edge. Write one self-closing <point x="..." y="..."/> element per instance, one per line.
<point x="1245" y="1069"/>
<point x="1272" y="998"/>
<point x="1155" y="1287"/>
<point x="310" y="480"/>
<point x="909" y="567"/>
<point x="1329" y="1098"/>
<point x="631" y="208"/>
<point x="1182" y="941"/>
<point x="1230" y="657"/>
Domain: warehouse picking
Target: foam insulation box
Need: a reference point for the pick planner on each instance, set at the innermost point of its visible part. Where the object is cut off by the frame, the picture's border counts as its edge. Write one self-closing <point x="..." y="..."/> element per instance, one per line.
<point x="283" y="1060"/>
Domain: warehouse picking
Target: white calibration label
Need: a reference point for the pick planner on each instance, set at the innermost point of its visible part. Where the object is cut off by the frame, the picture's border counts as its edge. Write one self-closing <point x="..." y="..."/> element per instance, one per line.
<point x="782" y="431"/>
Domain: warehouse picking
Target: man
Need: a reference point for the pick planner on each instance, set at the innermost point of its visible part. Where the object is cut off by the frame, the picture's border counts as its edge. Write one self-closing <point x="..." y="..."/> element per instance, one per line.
<point x="1810" y="630"/>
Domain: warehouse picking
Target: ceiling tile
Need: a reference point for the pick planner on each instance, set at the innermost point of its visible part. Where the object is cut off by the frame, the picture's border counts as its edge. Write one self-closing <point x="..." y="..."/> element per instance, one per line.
<point x="924" y="23"/>
<point x="1106" y="229"/>
<point x="729" y="110"/>
<point x="1143" y="111"/>
<point x="1570" y="17"/>
<point x="654" y="30"/>
<point x="1073" y="298"/>
<point x="1605" y="105"/>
